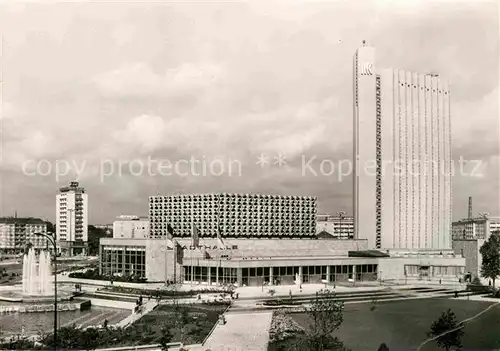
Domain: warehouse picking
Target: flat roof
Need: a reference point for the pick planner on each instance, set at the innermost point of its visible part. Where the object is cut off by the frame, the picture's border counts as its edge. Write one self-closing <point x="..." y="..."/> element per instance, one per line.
<point x="368" y="253"/>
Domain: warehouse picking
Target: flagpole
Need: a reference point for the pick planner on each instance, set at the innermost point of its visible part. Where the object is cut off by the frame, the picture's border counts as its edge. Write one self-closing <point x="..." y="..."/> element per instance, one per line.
<point x="191" y="251"/>
<point x="166" y="256"/>
<point x="218" y="237"/>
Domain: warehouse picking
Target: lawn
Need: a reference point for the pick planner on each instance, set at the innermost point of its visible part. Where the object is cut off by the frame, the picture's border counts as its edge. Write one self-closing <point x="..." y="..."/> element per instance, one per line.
<point x="403" y="325"/>
<point x="200" y="320"/>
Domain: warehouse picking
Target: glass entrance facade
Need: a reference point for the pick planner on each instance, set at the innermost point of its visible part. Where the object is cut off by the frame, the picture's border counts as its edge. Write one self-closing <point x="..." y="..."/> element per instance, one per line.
<point x="210" y="275"/>
<point x="285" y="275"/>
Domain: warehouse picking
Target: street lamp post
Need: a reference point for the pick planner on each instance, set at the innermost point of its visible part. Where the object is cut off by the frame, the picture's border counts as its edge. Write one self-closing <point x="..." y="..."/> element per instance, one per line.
<point x="51" y="238"/>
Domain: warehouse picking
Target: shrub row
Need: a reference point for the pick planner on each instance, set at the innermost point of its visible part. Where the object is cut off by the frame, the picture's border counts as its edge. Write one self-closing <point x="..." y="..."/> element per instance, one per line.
<point x="283" y="327"/>
<point x="93" y="274"/>
<point x="282" y="303"/>
<point x="164" y="293"/>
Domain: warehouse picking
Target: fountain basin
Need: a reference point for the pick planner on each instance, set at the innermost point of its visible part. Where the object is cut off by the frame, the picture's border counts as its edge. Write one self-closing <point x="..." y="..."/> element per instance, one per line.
<point x="44" y="307"/>
<point x="17" y="295"/>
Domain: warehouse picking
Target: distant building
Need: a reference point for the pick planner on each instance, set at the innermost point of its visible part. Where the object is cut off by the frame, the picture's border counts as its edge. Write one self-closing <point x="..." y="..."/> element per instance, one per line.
<point x="131" y="227"/>
<point x="72" y="220"/>
<point x="338" y="227"/>
<point x="468" y="236"/>
<point x="17" y="233"/>
<point x="494" y="224"/>
<point x="475" y="228"/>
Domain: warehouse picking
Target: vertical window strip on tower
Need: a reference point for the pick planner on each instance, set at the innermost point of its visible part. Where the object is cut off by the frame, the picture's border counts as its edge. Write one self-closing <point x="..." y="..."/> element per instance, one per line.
<point x="413" y="207"/>
<point x="379" y="165"/>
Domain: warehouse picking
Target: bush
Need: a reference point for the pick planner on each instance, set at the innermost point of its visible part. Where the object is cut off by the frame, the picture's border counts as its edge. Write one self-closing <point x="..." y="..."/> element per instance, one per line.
<point x="217" y="303"/>
<point x="283" y="327"/>
<point x="281" y="303"/>
<point x="163" y="293"/>
<point x="477" y="286"/>
<point x="93" y="274"/>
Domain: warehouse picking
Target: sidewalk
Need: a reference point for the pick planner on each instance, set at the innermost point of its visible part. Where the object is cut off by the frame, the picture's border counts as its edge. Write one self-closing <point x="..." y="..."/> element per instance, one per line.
<point x="134" y="317"/>
<point x="307" y="289"/>
<point x="479" y="298"/>
<point x="242" y="332"/>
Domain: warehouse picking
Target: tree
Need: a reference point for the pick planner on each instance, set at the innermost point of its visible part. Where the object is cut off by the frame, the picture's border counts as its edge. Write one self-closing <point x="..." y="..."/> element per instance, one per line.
<point x="94" y="234"/>
<point x="181" y="315"/>
<point x="28" y="246"/>
<point x="383" y="347"/>
<point x="326" y="314"/>
<point x="51" y="228"/>
<point x="447" y="331"/>
<point x="490" y="252"/>
<point x="166" y="337"/>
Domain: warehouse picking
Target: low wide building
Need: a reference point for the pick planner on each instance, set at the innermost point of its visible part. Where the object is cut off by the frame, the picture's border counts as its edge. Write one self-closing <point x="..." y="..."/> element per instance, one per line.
<point x="255" y="262"/>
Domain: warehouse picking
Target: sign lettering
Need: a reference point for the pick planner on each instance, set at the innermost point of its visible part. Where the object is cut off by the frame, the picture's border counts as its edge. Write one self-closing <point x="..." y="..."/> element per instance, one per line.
<point x="209" y="247"/>
<point x="366" y="69"/>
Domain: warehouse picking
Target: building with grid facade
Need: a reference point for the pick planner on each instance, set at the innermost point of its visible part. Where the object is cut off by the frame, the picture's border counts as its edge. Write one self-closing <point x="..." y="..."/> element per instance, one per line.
<point x="233" y="215"/>
<point x="402" y="151"/>
<point x="17" y="233"/>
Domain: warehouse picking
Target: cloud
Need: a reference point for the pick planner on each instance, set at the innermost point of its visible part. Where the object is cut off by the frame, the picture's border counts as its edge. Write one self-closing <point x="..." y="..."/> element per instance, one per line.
<point x="138" y="80"/>
<point x="227" y="81"/>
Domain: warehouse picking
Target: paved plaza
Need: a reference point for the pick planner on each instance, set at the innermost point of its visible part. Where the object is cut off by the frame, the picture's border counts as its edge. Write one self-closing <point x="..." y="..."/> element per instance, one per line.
<point x="242" y="332"/>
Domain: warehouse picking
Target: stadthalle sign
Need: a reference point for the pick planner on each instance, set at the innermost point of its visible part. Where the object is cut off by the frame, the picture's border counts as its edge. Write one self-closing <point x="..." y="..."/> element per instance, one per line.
<point x="209" y="247"/>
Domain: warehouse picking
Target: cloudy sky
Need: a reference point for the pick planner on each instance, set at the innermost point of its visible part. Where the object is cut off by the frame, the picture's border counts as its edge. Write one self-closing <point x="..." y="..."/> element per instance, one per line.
<point x="96" y="85"/>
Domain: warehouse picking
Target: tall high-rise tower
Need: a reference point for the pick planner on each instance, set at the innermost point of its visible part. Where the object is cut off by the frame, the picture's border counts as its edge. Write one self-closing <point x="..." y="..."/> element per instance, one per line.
<point x="402" y="151"/>
<point x="72" y="218"/>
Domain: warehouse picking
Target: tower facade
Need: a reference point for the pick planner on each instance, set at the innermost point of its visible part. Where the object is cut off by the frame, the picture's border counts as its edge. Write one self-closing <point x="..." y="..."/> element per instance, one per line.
<point x="402" y="147"/>
<point x="72" y="218"/>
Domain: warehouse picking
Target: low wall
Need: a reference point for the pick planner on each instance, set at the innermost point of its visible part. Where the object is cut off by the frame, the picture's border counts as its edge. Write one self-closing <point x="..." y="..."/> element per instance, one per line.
<point x="113" y="304"/>
<point x="171" y="346"/>
<point x="66" y="279"/>
<point x="24" y="308"/>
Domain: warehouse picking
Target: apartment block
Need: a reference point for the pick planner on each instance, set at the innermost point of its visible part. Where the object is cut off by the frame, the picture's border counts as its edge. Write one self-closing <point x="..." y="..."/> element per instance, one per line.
<point x="17" y="233"/>
<point x="72" y="219"/>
